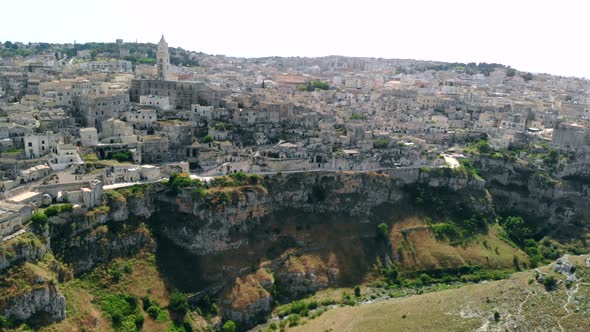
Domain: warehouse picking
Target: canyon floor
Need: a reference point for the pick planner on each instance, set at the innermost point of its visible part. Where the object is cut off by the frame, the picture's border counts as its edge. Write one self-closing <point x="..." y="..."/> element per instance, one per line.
<point x="522" y="304"/>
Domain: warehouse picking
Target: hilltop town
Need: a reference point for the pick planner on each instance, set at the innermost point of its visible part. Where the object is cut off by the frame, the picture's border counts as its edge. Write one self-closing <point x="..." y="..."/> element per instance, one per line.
<point x="221" y="191"/>
<point x="77" y="118"/>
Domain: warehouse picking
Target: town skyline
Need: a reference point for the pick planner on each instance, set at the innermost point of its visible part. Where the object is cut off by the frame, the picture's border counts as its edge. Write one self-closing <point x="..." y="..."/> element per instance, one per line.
<point x="529" y="36"/>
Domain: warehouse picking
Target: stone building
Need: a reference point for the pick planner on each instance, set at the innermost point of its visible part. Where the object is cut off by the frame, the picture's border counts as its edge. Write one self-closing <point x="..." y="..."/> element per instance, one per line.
<point x="180" y="94"/>
<point x="155" y="102"/>
<point x="89" y="136"/>
<point x="97" y="108"/>
<point x="12" y="217"/>
<point x="153" y="149"/>
<point x="38" y="145"/>
<point x="142" y="119"/>
<point x="571" y="136"/>
<point x="117" y="131"/>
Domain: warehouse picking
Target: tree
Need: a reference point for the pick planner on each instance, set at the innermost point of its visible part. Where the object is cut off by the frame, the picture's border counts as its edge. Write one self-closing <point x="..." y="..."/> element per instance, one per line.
<point x="39" y="218"/>
<point x="392" y="275"/>
<point x="551" y="158"/>
<point x="527" y="77"/>
<point x="357" y="291"/>
<point x="229" y="326"/>
<point x="207" y="139"/>
<point x="381" y="143"/>
<point x="516" y="229"/>
<point x="496" y="316"/>
<point x="8" y="44"/>
<point x="550" y="283"/>
<point x="178" y="304"/>
<point x="484" y="147"/>
<point x="510" y="72"/>
<point x="383" y="231"/>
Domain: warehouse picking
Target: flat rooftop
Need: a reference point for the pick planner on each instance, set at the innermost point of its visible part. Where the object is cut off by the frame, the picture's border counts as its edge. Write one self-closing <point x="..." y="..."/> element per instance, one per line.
<point x="24" y="196"/>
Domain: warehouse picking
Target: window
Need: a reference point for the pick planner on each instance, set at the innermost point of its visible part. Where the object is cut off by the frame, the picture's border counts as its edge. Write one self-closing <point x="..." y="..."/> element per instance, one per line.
<point x="30" y="144"/>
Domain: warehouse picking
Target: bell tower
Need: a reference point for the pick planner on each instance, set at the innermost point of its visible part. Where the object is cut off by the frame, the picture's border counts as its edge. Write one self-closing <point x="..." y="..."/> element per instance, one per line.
<point x="163" y="59"/>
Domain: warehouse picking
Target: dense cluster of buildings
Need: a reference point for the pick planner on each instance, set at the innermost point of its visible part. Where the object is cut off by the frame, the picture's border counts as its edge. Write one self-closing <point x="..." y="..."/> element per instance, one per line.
<point x="92" y="119"/>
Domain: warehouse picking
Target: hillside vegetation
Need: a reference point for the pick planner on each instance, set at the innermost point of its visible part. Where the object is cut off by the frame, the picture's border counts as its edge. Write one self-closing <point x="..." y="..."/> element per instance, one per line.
<point x="521" y="303"/>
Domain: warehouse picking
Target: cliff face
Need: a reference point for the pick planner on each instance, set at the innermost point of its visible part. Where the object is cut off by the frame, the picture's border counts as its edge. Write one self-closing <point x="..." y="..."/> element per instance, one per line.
<point x="523" y="189"/>
<point x="87" y="250"/>
<point x="25" y="248"/>
<point x="309" y="230"/>
<point x="45" y="303"/>
<point x="29" y="292"/>
<point x="85" y="239"/>
<point x="204" y="228"/>
<point x="316" y="229"/>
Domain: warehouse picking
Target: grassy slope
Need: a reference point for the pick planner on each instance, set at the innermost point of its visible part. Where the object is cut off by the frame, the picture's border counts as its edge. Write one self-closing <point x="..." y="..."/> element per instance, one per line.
<point x="522" y="306"/>
<point x="421" y="250"/>
<point x="83" y="294"/>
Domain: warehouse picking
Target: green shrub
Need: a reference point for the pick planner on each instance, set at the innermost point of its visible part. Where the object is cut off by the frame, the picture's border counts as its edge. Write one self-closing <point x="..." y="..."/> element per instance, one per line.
<point x="297" y="307"/>
<point x="294" y="320"/>
<point x="66" y="207"/>
<point x="484" y="147"/>
<point x="178" y="304"/>
<point x="357" y="291"/>
<point x="139" y="321"/>
<point x="383" y="231"/>
<point x="123" y="311"/>
<point x="39" y="221"/>
<point x="214" y="309"/>
<point x="516" y="262"/>
<point x="239" y="177"/>
<point x="146" y="302"/>
<point x="347" y="299"/>
<point x="392" y="275"/>
<point x="229" y="326"/>
<point x="446" y="230"/>
<point x="153" y="311"/>
<point x="207" y="139"/>
<point x="381" y="143"/>
<point x="550" y="283"/>
<point x="52" y="211"/>
<point x="426" y="279"/>
<point x="123" y="156"/>
<point x="39" y="218"/>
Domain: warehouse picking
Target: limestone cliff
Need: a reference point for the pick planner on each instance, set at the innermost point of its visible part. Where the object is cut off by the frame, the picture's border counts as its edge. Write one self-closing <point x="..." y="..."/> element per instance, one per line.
<point x="25" y="248"/>
<point x="525" y="189"/>
<point x="30" y="293"/>
<point x="44" y="302"/>
<point x="205" y="226"/>
<point x="85" y="251"/>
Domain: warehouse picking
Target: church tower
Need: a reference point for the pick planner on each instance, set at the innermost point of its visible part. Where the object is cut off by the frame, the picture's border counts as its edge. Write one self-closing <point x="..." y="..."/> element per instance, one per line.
<point x="163" y="59"/>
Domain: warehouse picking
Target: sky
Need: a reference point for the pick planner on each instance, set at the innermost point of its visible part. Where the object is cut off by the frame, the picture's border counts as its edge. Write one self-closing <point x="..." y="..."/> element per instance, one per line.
<point x="537" y="36"/>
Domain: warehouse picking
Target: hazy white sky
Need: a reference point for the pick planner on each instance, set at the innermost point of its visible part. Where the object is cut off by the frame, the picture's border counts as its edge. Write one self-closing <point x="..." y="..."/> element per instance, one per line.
<point x="538" y="36"/>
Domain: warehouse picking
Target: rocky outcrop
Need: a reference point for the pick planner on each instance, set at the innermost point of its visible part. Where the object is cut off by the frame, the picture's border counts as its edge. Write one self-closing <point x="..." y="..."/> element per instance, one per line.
<point x="132" y="206"/>
<point x="248" y="300"/>
<point x="25" y="248"/>
<point x="86" y="250"/>
<point x="526" y="189"/>
<point x="43" y="302"/>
